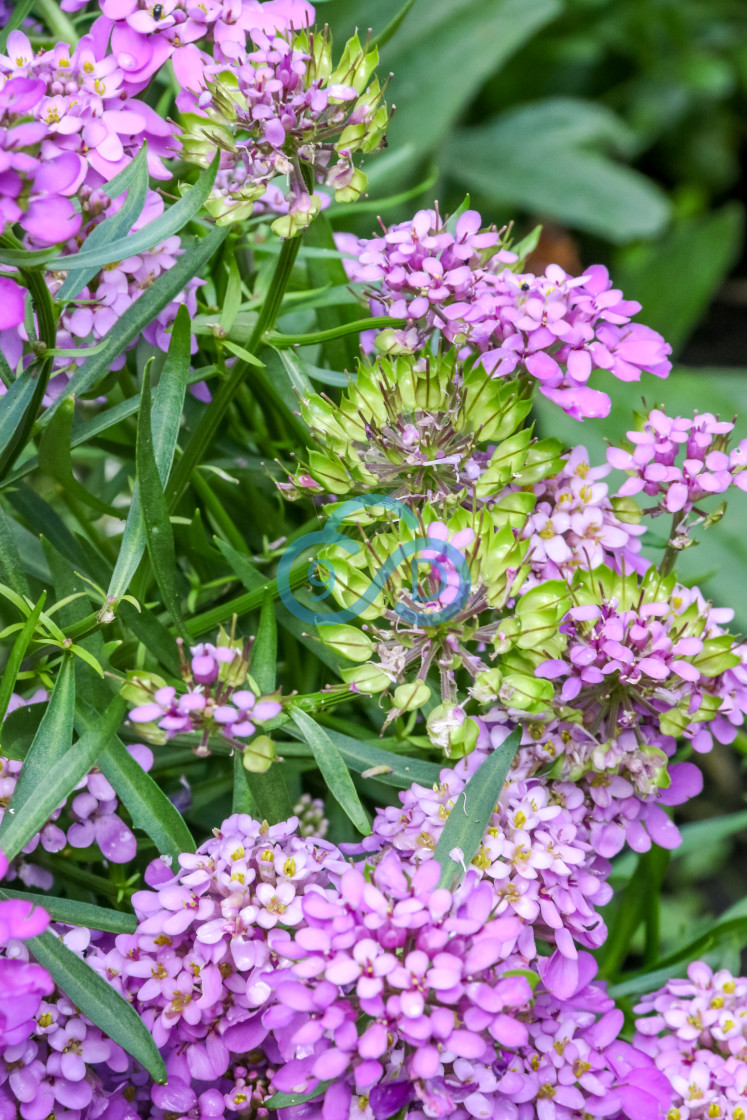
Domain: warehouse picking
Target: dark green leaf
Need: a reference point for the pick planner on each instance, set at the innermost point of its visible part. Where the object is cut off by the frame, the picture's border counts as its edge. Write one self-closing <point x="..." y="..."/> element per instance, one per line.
<point x="77" y="913"/>
<point x="60" y="780"/>
<point x="15" y="403"/>
<point x="242" y="800"/>
<point x="99" y="1001"/>
<point x="159" y="535"/>
<point x="16" y="656"/>
<point x="265" y="648"/>
<point x="12" y="572"/>
<point x="404" y="771"/>
<point x="18" y="730"/>
<point x="51" y="743"/>
<point x="152" y="633"/>
<point x="333" y="769"/>
<point x="145" y="801"/>
<point x="270" y="794"/>
<point x="55" y="459"/>
<point x="168" y="402"/>
<point x="473" y="808"/>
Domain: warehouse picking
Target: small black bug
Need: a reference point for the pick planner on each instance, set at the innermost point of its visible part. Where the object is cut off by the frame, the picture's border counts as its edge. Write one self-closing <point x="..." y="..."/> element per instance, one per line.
<point x="157" y="11"/>
<point x="525" y="287"/>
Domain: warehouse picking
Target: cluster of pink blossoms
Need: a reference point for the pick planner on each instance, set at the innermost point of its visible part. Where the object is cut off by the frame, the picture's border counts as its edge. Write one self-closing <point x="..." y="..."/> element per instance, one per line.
<point x="22" y="983"/>
<point x="270" y="964"/>
<point x="84" y="119"/>
<point x="696" y="1032"/>
<point x="213" y="700"/>
<point x="556" y="328"/>
<point x="88" y="819"/>
<point x="707" y="467"/>
<point x="575" y="525"/>
<point x="142" y="36"/>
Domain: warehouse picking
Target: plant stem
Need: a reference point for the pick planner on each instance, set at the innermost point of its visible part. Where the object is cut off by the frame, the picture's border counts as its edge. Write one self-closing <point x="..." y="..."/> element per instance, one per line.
<point x="670" y="556"/>
<point x="202" y="436"/>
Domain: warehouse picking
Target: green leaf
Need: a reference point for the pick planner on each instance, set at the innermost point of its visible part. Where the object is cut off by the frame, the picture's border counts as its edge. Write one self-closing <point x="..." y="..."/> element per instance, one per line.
<point x="159" y="535"/>
<point x="242" y="799"/>
<point x="404" y="772"/>
<point x="140" y="313"/>
<point x="333" y="769"/>
<point x="15" y="404"/>
<point x="270" y="794"/>
<point x="168" y="402"/>
<point x="98" y="1000"/>
<point x="473" y="808"/>
<point x="265" y="648"/>
<point x="288" y="1100"/>
<point x="21" y="9"/>
<point x="144" y="800"/>
<point x="171" y="221"/>
<point x="18" y="730"/>
<point x="107" y="233"/>
<point x="152" y="633"/>
<point x="11" y="569"/>
<point x="51" y="743"/>
<point x="55" y="459"/>
<point x="232" y="298"/>
<point x="77" y="913"/>
<point x="518" y="159"/>
<point x="16" y="656"/>
<point x="60" y="780"/>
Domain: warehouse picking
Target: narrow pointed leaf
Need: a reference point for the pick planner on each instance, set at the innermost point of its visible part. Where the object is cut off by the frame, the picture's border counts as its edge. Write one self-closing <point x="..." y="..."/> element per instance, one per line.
<point x="265" y="648"/>
<point x="74" y="913"/>
<point x="145" y="801"/>
<point x="168" y="402"/>
<point x="98" y="1000"/>
<point x="51" y="742"/>
<point x="333" y="769"/>
<point x="159" y="535"/>
<point x="473" y="808"/>
<point x="404" y="771"/>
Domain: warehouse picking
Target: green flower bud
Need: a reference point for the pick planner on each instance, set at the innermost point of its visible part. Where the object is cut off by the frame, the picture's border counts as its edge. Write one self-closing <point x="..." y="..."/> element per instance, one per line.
<point x="259" y="754"/>
<point x="411" y="696"/>
<point x="348" y="641"/>
<point x="367" y="679"/>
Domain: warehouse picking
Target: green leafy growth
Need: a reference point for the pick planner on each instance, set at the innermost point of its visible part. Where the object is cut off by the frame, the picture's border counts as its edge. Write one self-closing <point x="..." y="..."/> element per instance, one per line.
<point x="16" y="656"/>
<point x="473" y="808"/>
<point x="333" y="770"/>
<point x="288" y="1100"/>
<point x="97" y="999"/>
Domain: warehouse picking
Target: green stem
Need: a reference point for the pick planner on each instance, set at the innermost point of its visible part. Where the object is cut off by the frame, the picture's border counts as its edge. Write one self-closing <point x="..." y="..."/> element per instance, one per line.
<point x="202" y="436"/>
<point x="670" y="556"/>
<point x="241" y="605"/>
<point x="224" y="523"/>
<point x="285" y="341"/>
<point x="56" y="20"/>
